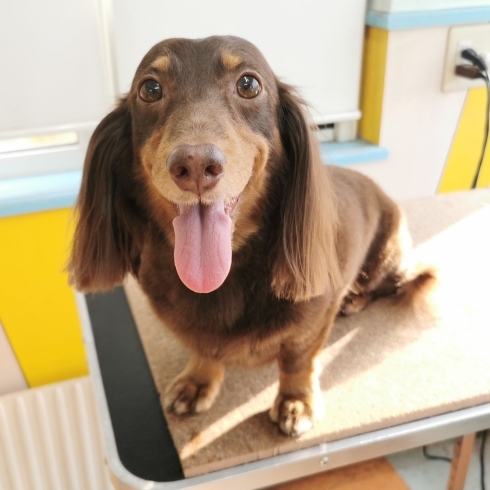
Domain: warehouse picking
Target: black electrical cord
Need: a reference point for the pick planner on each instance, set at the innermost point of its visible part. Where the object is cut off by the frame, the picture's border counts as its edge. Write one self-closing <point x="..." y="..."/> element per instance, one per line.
<point x="449" y="460"/>
<point x="434" y="457"/>
<point x="477" y="69"/>
<point x="487" y="128"/>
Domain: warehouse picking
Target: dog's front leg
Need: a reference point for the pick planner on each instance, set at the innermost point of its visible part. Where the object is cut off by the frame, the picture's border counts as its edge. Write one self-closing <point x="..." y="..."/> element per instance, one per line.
<point x="196" y="388"/>
<point x="300" y="400"/>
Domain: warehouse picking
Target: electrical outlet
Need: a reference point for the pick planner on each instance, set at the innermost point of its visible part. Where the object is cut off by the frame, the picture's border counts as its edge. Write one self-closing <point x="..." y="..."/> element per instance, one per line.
<point x="476" y="37"/>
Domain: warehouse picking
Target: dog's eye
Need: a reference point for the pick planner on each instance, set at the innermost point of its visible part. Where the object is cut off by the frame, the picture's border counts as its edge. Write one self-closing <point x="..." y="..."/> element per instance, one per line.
<point x="248" y="87"/>
<point x="150" y="91"/>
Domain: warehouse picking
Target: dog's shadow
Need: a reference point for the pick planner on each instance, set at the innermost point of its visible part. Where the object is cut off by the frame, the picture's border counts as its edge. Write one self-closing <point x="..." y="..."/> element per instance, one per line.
<point x="450" y="209"/>
<point x="360" y="342"/>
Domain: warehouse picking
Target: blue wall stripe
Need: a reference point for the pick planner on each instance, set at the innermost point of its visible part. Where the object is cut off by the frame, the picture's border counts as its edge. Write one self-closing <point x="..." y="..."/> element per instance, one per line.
<point x="39" y="193"/>
<point x="428" y="18"/>
<point x="352" y="152"/>
<point x="46" y="192"/>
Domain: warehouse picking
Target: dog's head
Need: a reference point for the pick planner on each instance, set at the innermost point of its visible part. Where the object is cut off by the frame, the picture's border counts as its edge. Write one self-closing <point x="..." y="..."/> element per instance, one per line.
<point x="193" y="148"/>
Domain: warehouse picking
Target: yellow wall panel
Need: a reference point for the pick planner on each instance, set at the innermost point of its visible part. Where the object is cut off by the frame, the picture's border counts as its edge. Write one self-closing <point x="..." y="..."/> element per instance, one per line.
<point x="37" y="307"/>
<point x="467" y="145"/>
<point x="373" y="78"/>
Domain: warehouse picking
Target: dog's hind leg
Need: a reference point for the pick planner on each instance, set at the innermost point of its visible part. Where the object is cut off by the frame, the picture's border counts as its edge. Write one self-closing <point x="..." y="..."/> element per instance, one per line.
<point x="354" y="302"/>
<point x="196" y="388"/>
<point x="387" y="266"/>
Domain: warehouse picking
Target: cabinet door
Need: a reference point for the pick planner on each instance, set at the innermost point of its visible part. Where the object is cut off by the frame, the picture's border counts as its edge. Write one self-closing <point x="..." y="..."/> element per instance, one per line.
<point x="315" y="45"/>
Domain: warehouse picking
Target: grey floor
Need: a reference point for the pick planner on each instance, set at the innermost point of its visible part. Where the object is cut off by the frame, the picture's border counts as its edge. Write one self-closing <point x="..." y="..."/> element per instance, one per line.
<point x="420" y="473"/>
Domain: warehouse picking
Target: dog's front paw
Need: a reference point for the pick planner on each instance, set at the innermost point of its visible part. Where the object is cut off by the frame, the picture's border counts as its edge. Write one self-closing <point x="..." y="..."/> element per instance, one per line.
<point x="185" y="396"/>
<point x="295" y="415"/>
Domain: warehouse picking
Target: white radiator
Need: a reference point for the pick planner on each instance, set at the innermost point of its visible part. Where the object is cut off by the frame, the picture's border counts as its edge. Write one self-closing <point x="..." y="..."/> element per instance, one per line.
<point x="50" y="439"/>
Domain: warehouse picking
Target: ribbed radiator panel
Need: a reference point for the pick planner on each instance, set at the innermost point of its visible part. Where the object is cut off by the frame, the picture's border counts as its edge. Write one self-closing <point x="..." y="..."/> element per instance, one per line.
<point x="50" y="439"/>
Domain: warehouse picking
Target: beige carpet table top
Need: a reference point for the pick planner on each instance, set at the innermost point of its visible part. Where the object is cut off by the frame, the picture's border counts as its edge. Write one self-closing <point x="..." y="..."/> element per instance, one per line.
<point x="382" y="367"/>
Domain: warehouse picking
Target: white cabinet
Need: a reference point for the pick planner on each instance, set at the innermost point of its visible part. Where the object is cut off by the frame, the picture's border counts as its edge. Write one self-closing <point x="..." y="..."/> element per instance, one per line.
<point x="315" y="45"/>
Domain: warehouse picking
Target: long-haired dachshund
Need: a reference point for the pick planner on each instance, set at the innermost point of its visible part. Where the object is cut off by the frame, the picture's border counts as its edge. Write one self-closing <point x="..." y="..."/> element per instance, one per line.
<point x="206" y="184"/>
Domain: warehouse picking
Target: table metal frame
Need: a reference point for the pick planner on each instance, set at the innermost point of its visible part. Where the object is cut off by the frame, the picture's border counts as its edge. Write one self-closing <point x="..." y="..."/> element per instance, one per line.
<point x="285" y="467"/>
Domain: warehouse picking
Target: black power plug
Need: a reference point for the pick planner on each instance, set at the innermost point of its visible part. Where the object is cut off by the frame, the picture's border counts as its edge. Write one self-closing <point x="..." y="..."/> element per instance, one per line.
<point x="476" y="60"/>
<point x="469" y="71"/>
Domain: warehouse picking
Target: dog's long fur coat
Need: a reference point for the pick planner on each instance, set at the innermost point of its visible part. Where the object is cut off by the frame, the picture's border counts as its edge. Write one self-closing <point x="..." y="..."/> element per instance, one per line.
<point x="206" y="183"/>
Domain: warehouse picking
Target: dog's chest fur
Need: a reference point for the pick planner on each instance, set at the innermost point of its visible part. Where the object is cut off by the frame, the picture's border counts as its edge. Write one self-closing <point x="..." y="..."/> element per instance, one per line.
<point x="241" y="323"/>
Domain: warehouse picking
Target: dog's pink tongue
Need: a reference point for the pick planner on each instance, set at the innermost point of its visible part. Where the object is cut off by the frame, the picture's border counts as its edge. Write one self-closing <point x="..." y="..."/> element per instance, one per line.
<point x="203" y="246"/>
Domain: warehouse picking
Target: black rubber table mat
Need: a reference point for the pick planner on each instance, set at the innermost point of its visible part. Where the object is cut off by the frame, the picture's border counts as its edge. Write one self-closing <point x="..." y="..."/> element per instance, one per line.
<point x="143" y="441"/>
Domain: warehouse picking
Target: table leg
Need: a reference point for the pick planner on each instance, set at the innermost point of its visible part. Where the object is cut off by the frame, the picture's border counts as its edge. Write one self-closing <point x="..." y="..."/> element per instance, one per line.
<point x="463" y="449"/>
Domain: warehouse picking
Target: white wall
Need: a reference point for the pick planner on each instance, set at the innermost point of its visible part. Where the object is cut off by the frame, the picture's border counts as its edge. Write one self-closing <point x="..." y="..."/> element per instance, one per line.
<point x="418" y="120"/>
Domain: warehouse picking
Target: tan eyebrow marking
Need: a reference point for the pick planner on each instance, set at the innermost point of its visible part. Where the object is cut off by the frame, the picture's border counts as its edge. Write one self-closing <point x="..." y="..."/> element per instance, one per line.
<point x="230" y="61"/>
<point x="162" y="63"/>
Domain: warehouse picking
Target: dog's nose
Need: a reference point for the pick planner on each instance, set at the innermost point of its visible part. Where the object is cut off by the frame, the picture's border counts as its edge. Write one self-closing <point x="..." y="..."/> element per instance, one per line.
<point x="196" y="168"/>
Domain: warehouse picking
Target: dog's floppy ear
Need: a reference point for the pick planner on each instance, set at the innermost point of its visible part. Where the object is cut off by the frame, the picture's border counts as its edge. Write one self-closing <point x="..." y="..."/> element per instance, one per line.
<point x="106" y="243"/>
<point x="306" y="262"/>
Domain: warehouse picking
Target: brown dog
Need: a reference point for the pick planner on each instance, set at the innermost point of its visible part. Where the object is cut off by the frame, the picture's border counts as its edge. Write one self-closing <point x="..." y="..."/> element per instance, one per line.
<point x="206" y="184"/>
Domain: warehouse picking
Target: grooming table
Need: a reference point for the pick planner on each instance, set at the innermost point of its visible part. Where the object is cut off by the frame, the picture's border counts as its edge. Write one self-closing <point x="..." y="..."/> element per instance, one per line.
<point x="394" y="377"/>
